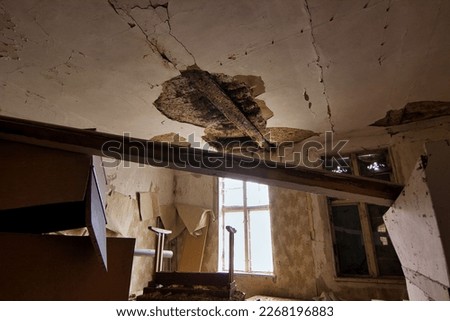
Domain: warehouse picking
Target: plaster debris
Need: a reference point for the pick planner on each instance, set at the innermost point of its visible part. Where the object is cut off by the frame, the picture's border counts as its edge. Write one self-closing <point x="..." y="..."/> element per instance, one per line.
<point x="415" y="111"/>
<point x="280" y="135"/>
<point x="171" y="138"/>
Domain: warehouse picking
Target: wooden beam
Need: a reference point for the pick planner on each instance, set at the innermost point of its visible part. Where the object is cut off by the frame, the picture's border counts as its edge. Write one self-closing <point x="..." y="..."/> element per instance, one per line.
<point x="199" y="161"/>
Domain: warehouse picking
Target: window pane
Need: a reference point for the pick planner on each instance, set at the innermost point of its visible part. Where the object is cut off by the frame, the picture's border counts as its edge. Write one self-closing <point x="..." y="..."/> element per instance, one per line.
<point x="236" y="220"/>
<point x="233" y="192"/>
<point x="340" y="165"/>
<point x="374" y="165"/>
<point x="388" y="262"/>
<point x="260" y="242"/>
<point x="351" y="254"/>
<point x="257" y="194"/>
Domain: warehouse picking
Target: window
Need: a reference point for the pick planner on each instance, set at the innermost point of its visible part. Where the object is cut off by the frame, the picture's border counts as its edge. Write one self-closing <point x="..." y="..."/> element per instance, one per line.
<point x="362" y="246"/>
<point x="245" y="206"/>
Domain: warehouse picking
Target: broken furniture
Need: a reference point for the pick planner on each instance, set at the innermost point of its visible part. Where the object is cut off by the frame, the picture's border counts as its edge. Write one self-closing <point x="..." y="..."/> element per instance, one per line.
<point x="161" y="233"/>
<point x="194" y="285"/>
<point x="45" y="190"/>
<point x="61" y="267"/>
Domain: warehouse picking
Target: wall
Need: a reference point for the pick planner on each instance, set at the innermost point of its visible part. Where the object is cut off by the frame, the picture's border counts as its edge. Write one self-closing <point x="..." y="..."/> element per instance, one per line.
<point x="200" y="190"/>
<point x="302" y="247"/>
<point x="123" y="217"/>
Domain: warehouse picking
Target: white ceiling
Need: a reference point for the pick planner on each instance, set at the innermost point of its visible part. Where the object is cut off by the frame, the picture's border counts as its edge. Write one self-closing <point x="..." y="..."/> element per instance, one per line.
<point x="82" y="63"/>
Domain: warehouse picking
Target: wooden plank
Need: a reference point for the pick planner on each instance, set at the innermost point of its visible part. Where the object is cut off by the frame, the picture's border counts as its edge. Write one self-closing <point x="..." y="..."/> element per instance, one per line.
<point x="192" y="254"/>
<point x="34" y="176"/>
<point x="200" y="161"/>
<point x="191" y="278"/>
<point x="53" y="267"/>
<point x="96" y="220"/>
<point x="170" y="294"/>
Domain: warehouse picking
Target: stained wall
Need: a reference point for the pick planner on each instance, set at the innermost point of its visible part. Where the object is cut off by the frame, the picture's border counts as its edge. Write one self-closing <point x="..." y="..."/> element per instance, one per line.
<point x="125" y="181"/>
<point x="302" y="246"/>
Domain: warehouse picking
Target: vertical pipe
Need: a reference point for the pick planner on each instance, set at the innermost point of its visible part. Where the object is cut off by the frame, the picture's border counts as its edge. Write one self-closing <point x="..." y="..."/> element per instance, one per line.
<point x="231" y="230"/>
<point x="158" y="253"/>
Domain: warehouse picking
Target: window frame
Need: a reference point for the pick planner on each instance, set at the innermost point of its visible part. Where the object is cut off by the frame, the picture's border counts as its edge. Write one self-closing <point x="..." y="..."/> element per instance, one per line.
<point x="223" y="235"/>
<point x="364" y="218"/>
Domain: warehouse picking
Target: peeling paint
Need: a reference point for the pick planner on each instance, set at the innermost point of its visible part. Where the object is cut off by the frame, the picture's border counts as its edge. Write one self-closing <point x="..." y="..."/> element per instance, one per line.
<point x="415" y="111"/>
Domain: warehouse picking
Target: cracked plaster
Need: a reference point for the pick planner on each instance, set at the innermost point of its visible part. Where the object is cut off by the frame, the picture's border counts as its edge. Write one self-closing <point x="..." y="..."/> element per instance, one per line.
<point x="130" y="48"/>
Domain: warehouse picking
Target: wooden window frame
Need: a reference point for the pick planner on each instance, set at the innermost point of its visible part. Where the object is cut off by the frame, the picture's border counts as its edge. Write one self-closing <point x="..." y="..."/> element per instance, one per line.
<point x="223" y="210"/>
<point x="366" y="228"/>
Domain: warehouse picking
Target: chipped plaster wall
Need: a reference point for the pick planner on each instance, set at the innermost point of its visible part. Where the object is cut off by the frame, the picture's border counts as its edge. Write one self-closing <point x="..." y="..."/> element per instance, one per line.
<point x="200" y="190"/>
<point x="125" y="181"/>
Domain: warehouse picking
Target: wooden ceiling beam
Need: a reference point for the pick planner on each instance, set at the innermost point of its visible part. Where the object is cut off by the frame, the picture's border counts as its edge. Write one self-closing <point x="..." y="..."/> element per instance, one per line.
<point x="199" y="161"/>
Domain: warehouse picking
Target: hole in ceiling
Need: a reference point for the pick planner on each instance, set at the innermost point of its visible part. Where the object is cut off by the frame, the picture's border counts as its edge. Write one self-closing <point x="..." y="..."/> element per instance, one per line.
<point x="227" y="107"/>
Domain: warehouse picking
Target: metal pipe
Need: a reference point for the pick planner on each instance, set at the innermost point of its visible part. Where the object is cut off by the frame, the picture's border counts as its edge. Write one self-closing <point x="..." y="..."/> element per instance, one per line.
<point x="150" y="252"/>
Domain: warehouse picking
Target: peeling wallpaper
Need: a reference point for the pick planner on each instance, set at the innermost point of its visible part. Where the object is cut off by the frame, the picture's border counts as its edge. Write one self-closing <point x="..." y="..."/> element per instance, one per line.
<point x="302" y="246"/>
<point x="125" y="181"/>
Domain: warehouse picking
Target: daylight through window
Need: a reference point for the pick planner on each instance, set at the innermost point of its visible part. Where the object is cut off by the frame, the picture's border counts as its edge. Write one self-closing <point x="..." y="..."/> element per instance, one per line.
<point x="245" y="206"/>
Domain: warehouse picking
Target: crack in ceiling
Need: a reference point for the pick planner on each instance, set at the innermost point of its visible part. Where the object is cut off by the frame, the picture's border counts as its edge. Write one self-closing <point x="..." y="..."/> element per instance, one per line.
<point x="319" y="65"/>
<point x="127" y="10"/>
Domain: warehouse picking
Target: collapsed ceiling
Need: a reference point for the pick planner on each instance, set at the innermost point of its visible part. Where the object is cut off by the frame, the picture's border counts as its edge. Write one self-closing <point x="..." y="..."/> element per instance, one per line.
<point x="319" y="65"/>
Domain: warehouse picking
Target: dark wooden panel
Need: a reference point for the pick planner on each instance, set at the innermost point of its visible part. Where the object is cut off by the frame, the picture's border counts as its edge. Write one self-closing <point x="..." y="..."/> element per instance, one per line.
<point x="34" y="175"/>
<point x="199" y="161"/>
<point x="44" y="218"/>
<point x="188" y="278"/>
<point x="50" y="267"/>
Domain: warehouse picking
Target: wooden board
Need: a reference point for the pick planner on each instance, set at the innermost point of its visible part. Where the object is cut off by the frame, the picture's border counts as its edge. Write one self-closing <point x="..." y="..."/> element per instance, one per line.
<point x="53" y="267"/>
<point x="96" y="220"/>
<point x="200" y="161"/>
<point x="192" y="254"/>
<point x="34" y="176"/>
<point x="189" y="278"/>
<point x="100" y="178"/>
